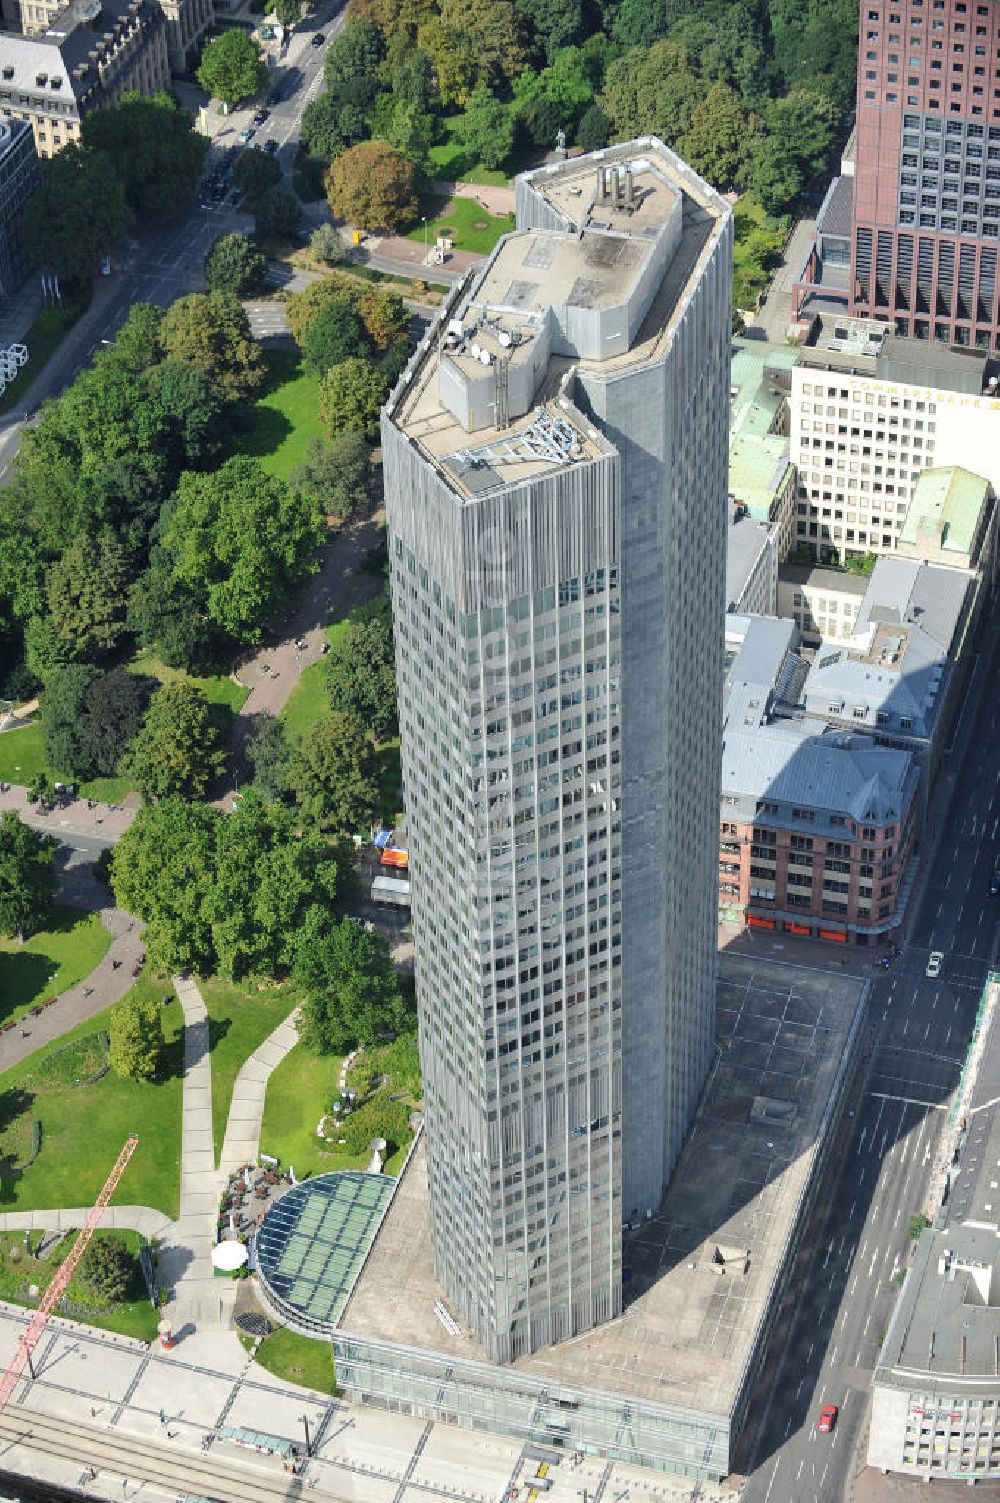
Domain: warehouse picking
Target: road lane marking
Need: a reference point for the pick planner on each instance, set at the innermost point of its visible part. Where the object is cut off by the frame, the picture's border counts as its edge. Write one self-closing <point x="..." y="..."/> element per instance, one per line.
<point x="910" y="1100"/>
<point x="773" y="1475"/>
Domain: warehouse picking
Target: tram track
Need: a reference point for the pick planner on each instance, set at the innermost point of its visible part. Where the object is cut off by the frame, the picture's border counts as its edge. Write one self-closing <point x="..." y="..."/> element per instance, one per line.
<point x="170" y="1468"/>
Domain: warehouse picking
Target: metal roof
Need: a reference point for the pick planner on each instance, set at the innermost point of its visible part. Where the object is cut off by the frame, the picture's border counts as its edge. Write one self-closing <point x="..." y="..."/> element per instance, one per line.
<point x="948" y="502"/>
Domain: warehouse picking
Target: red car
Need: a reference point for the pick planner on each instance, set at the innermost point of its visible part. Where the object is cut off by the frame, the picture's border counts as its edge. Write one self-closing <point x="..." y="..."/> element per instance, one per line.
<point x="827" y="1418"/>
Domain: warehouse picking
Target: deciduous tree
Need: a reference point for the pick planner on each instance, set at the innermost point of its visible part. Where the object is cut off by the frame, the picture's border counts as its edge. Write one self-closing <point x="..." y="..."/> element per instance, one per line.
<point x="62" y="719"/>
<point x="135" y="1038"/>
<point x="326" y="244"/>
<point x="373" y="187"/>
<point x="178" y="748"/>
<point x="487" y="128"/>
<point x="240" y="541"/>
<point x="211" y="332"/>
<point x="276" y="215"/>
<point x="77" y="214"/>
<point x="27" y="877"/>
<point x="350" y="395"/>
<point x="107" y="1267"/>
<point x="86" y="590"/>
<point x="334" y="336"/>
<point x="235" y="264"/>
<point x="332" y="775"/>
<point x="352" y="993"/>
<point x="494" y="30"/>
<point x="255" y="171"/>
<point x="156" y="152"/>
<point x="232" y="67"/>
<point x="384" y="314"/>
<point x="269" y="754"/>
<point x="114" y="706"/>
<point x="336" y="475"/>
<point x="361" y="669"/>
<point x="351" y="63"/>
<point x="162" y="870"/>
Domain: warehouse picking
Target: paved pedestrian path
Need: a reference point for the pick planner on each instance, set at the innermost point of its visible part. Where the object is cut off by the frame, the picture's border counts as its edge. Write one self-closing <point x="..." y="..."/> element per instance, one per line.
<point x="246" y="1111"/>
<point x="103" y="824"/>
<point x="107" y="983"/>
<point x="199" y="1299"/>
<point x="144" y="1219"/>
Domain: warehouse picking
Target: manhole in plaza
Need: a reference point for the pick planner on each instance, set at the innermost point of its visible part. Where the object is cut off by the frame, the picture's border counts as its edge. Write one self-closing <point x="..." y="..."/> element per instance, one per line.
<point x="254" y="1324"/>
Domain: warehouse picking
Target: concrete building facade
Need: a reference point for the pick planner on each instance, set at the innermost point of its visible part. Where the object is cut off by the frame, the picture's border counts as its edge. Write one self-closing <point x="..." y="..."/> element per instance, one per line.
<point x="91" y="53"/>
<point x="18" y="176"/>
<point x="868" y="416"/>
<point x="549" y="454"/>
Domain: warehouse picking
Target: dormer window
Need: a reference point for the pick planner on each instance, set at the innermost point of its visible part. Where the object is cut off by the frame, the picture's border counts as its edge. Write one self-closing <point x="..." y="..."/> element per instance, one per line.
<point x="41" y="79"/>
<point x="8" y="71"/>
<point x="55" y="83"/>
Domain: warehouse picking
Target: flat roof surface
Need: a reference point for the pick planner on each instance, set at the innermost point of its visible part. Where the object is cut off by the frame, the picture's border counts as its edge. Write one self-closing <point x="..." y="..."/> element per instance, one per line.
<point x="815" y="577"/>
<point x="315" y="1238"/>
<point x="532" y="270"/>
<point x="689" y="1327"/>
<point x="947" y="501"/>
<point x="746" y="539"/>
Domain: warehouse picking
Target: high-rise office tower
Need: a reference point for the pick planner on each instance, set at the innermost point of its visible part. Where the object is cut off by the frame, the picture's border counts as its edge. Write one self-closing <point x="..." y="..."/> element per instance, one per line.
<point x="926" y="215"/>
<point x="555" y="468"/>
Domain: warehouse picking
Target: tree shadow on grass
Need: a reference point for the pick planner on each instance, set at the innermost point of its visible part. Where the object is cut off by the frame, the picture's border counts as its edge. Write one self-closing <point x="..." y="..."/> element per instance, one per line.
<point x="15" y="1102"/>
<point x="23" y="978"/>
<point x="264" y="433"/>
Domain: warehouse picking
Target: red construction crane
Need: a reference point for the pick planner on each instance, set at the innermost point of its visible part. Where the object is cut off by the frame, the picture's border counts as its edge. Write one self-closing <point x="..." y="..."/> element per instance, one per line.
<point x="57" y="1288"/>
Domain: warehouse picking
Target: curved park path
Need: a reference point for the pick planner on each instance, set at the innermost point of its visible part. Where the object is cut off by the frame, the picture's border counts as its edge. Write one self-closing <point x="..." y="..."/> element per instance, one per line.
<point x="199" y="1301"/>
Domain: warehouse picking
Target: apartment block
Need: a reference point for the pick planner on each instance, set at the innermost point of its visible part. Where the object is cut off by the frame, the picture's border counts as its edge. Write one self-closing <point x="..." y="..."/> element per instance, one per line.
<point x="91" y="53"/>
<point x="869" y="413"/>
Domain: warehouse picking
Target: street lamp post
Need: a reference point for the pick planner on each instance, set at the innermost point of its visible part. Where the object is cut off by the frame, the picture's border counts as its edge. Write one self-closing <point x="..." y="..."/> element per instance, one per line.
<point x="424" y="219"/>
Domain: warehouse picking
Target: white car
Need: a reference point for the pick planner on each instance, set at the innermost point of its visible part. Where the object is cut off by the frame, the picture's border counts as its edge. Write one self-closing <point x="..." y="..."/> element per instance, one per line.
<point x="935" y="960"/>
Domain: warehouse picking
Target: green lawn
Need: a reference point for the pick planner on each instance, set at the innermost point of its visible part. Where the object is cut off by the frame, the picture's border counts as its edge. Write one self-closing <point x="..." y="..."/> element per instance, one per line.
<point x="21" y="755"/>
<point x="472" y="227"/>
<point x="450" y="160"/>
<point x="285" y="419"/>
<point x="133" y="1317"/>
<point x="50" y="961"/>
<point x="307" y="702"/>
<point x="240" y="1018"/>
<point x="298" y="1095"/>
<point x="84" y="1128"/>
<point x="218" y="688"/>
<point x="43" y="339"/>
<point x="298" y="1359"/>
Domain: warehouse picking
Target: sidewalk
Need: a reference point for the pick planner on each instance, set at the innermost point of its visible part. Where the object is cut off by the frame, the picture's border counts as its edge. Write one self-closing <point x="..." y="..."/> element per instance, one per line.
<point x="104" y="823"/>
<point x="107" y="983"/>
<point x="116" y="1218"/>
<point x="246" y="1109"/>
<point x="199" y="1300"/>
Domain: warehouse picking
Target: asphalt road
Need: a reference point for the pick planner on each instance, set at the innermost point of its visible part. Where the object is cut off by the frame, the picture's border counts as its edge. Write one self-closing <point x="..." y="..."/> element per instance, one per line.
<point x="841" y="1295"/>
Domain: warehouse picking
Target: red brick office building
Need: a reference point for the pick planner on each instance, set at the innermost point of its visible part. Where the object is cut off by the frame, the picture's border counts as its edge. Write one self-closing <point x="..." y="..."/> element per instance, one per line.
<point x="926" y="187"/>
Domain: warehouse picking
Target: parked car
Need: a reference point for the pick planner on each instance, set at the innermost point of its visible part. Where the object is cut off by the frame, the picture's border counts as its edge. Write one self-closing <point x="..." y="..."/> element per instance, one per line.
<point x="935" y="960"/>
<point x="827" y="1418"/>
<point x="270" y="146"/>
<point x="261" y="116"/>
<point x="318" y="39"/>
<point x="246" y="134"/>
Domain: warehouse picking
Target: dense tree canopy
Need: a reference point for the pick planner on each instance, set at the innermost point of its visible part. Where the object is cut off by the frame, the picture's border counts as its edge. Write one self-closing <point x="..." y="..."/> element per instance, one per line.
<point x="86" y="590"/>
<point x="135" y="1038"/>
<point x="161" y="870"/>
<point x="114" y="705"/>
<point x="178" y="747"/>
<point x="333" y="776"/>
<point x="334" y="335"/>
<point x="255" y="171"/>
<point x="240" y="542"/>
<point x="62" y="718"/>
<point x="27" y="877"/>
<point x="156" y="152"/>
<point x="77" y="214"/>
<point x="235" y="264"/>
<point x="231" y="66"/>
<point x="373" y="187"/>
<point x="352" y="993"/>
